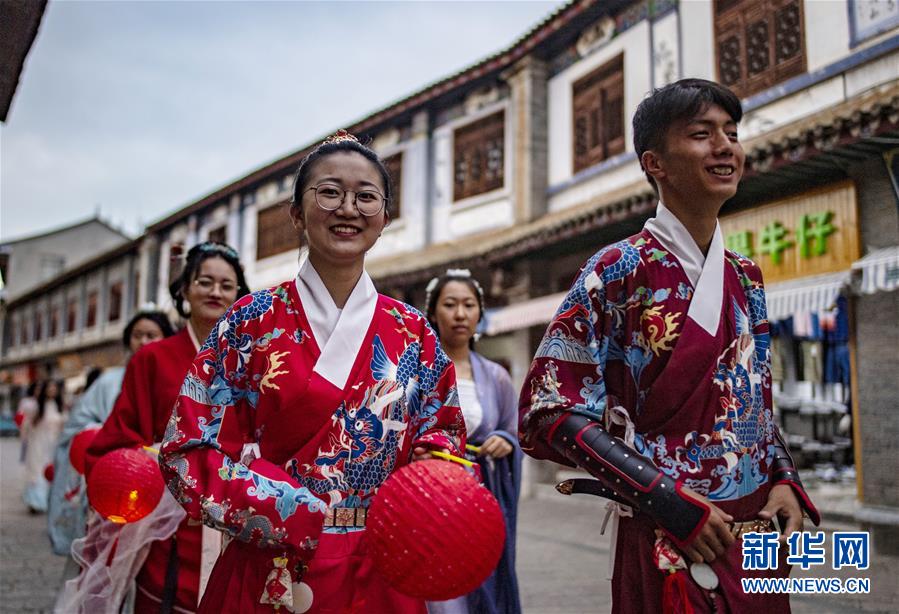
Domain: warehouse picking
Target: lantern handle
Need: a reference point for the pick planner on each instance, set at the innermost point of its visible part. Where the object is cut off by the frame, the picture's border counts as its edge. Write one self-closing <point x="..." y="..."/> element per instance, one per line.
<point x="452" y="458"/>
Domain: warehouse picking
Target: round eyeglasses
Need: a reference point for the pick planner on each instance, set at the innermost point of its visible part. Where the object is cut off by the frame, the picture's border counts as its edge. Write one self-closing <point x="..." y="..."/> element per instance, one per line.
<point x="330" y="197"/>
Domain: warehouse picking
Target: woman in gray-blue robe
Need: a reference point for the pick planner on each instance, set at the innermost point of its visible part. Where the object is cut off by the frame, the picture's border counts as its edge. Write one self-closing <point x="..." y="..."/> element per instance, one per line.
<point x="66" y="515"/>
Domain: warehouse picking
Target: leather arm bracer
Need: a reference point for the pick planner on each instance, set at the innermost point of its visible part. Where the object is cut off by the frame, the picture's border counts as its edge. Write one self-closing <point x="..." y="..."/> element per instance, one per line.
<point x="783" y="471"/>
<point x="631" y="476"/>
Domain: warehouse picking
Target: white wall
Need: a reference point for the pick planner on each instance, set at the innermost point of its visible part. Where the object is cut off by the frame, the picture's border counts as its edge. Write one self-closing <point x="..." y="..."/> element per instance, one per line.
<point x="826" y="32"/>
<point x="665" y="50"/>
<point x="407" y="233"/>
<point x="793" y="107"/>
<point x="697" y="38"/>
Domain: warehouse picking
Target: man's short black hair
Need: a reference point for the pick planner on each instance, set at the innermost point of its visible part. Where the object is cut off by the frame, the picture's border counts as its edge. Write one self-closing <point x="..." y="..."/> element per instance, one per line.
<point x="679" y="101"/>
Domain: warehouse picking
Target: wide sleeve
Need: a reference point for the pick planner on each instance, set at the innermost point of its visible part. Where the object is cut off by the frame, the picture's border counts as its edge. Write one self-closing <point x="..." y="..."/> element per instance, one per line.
<point x="66" y="508"/>
<point x="437" y="422"/>
<point x="567" y="373"/>
<point x="130" y="424"/>
<point x="251" y="499"/>
<point x="507" y="404"/>
<point x="93" y="407"/>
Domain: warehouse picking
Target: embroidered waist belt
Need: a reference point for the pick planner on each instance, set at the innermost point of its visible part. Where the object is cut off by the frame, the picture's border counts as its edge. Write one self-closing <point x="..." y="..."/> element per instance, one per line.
<point x="346" y="517"/>
<point x="738" y="529"/>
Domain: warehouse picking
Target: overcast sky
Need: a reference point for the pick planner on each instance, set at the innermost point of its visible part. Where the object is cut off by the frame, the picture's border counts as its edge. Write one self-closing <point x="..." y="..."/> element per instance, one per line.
<point x="139" y="108"/>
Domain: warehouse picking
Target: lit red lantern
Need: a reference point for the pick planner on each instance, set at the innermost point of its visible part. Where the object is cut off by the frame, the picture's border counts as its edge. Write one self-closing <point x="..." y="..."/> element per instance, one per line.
<point x="49" y="472"/>
<point x="125" y="485"/>
<point x="78" y="449"/>
<point x="434" y="532"/>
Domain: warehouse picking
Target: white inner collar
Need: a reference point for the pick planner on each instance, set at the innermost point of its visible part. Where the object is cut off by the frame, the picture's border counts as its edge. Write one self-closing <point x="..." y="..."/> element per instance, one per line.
<point x="193" y="337"/>
<point x="321" y="311"/>
<point x="338" y="332"/>
<point x="706" y="273"/>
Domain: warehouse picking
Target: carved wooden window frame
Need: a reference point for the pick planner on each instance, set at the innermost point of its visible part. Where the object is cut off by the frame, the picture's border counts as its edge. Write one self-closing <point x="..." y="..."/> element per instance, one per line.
<point x="92" y="310"/>
<point x="274" y="232"/>
<point x="479" y="156"/>
<point x="394" y="165"/>
<point x="597" y="115"/>
<point x="738" y="23"/>
<point x="116" y="301"/>
<point x="71" y="316"/>
<point x="218" y="235"/>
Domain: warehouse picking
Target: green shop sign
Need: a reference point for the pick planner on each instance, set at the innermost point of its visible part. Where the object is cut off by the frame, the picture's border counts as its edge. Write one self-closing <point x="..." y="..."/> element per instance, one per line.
<point x="809" y="233"/>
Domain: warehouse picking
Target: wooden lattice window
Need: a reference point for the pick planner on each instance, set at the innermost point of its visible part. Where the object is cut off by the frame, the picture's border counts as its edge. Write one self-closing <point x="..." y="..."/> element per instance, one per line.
<point x="71" y="316"/>
<point x="758" y="43"/>
<point x="479" y="156"/>
<point x="92" y="300"/>
<point x="218" y="235"/>
<point x="116" y="294"/>
<point x="394" y="166"/>
<point x="274" y="232"/>
<point x="598" y="114"/>
<point x="176" y="261"/>
<point x="54" y="322"/>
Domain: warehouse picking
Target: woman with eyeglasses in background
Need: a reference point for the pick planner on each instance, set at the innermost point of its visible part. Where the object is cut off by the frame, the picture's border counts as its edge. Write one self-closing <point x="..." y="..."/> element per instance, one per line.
<point x="211" y="280"/>
<point x="66" y="516"/>
<point x="321" y="388"/>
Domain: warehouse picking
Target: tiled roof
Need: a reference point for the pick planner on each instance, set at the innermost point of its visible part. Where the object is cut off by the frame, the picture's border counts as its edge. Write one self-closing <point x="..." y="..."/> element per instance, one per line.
<point x="564" y="18"/>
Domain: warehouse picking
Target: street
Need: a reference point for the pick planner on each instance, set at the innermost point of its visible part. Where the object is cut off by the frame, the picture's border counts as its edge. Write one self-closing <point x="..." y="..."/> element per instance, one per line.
<point x="562" y="559"/>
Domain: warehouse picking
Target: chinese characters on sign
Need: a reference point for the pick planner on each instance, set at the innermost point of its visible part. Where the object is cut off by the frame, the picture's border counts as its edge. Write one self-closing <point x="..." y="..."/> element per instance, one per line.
<point x="801" y="236"/>
<point x="811" y="232"/>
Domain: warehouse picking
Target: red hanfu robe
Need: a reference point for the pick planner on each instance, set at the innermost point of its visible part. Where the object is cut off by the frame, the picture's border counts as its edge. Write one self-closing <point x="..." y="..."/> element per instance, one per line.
<point x="262" y="380"/>
<point x="152" y="381"/>
<point x="693" y="378"/>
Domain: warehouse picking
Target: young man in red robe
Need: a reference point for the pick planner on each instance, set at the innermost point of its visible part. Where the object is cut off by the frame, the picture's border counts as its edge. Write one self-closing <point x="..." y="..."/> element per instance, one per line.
<point x="654" y="376"/>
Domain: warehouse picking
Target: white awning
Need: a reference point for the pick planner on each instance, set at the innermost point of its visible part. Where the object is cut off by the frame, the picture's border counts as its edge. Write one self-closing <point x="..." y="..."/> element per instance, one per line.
<point x="804" y="295"/>
<point x="880" y="270"/>
<point x="521" y="315"/>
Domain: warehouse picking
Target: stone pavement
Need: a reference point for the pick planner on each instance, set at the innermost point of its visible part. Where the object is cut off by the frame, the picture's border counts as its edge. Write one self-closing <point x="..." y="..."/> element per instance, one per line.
<point x="30" y="574"/>
<point x="562" y="559"/>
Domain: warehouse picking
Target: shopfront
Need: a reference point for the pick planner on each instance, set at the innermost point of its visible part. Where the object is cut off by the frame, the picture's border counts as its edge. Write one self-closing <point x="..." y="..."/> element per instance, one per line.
<point x="806" y="246"/>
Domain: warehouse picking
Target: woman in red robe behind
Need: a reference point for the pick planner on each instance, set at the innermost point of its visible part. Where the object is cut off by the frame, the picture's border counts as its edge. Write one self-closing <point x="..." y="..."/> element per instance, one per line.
<point x="308" y="397"/>
<point x="212" y="279"/>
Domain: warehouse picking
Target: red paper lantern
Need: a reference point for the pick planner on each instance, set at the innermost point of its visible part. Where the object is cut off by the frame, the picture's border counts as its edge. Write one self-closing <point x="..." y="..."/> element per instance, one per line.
<point x="125" y="485"/>
<point x="78" y="449"/>
<point x="434" y="532"/>
<point x="49" y="472"/>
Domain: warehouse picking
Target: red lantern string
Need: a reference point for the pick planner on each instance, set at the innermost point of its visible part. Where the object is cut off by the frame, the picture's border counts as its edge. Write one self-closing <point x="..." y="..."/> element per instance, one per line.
<point x="78" y="449"/>
<point x="434" y="532"/>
